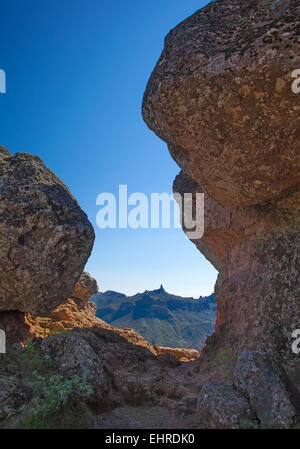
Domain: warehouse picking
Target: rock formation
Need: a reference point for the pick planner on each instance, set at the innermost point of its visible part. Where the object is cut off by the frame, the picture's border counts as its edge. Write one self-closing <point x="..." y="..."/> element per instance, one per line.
<point x="179" y="353"/>
<point x="45" y="237"/>
<point x="85" y="288"/>
<point x="160" y="317"/>
<point x="118" y="365"/>
<point x="220" y="406"/>
<point x="221" y="97"/>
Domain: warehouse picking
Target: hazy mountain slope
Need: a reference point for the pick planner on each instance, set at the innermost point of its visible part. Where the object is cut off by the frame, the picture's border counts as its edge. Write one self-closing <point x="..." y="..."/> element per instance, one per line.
<point x="161" y="318"/>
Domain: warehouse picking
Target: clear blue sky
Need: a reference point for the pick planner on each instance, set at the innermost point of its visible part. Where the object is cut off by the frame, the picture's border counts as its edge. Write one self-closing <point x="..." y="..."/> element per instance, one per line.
<point x="76" y="72"/>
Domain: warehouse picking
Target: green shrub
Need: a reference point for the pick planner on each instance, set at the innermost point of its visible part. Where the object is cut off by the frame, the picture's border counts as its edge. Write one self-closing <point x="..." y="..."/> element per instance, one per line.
<point x="57" y="402"/>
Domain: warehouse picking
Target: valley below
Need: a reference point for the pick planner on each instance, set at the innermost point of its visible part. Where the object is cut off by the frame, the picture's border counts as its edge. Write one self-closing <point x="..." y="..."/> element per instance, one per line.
<point x="161" y="318"/>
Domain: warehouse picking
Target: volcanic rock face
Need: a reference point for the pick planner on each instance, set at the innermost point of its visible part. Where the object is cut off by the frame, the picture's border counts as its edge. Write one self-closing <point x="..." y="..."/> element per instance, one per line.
<point x="75" y="356"/>
<point x="45" y="237"/>
<point x="257" y="252"/>
<point x="221" y="97"/>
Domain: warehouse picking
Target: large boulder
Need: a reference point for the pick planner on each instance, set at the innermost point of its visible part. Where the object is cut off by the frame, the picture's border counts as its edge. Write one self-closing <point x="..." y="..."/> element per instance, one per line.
<point x="179" y="353"/>
<point x="45" y="237"/>
<point x="221" y="97"/>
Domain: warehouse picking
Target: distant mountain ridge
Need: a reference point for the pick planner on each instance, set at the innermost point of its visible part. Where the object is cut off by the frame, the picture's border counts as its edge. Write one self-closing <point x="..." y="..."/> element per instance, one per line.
<point x="162" y="318"/>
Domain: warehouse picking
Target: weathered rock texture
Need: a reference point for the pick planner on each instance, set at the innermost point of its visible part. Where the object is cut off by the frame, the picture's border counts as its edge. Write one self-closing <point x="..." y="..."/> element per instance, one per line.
<point x="45" y="237"/>
<point x="220" y="406"/>
<point x="85" y="288"/>
<point x="221" y="97"/>
<point x="75" y="314"/>
<point x="268" y="388"/>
